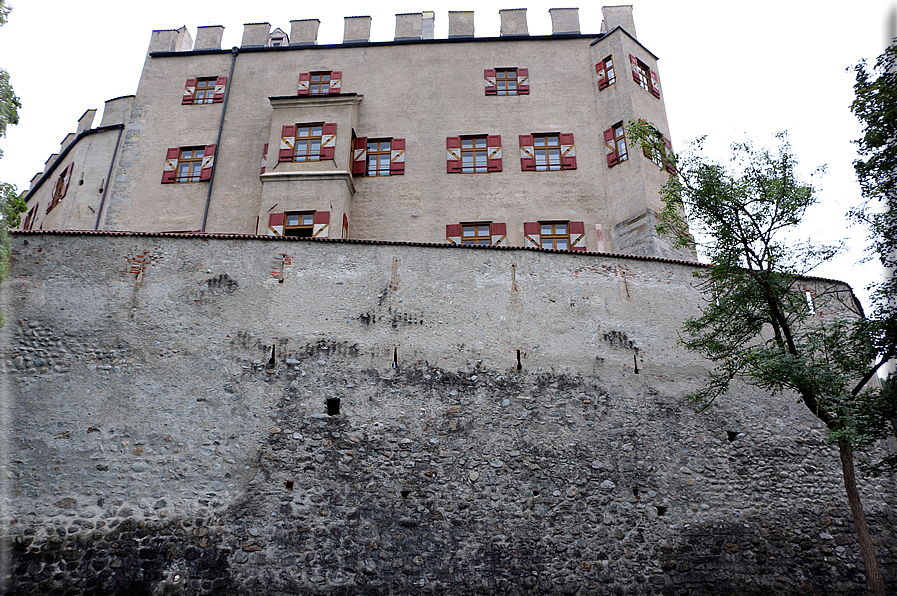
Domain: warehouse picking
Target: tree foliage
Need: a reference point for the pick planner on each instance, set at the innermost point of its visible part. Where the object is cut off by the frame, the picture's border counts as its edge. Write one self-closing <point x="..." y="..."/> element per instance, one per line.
<point x="11" y="203"/>
<point x="757" y="324"/>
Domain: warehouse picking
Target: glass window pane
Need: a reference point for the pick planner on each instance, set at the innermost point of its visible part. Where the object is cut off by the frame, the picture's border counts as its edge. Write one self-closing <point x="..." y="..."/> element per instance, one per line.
<point x="308" y="219"/>
<point x="317" y="131"/>
<point x="562" y="243"/>
<point x="467" y="159"/>
<point x="545" y="229"/>
<point x="469" y="231"/>
<point x="483" y="230"/>
<point x="292" y="220"/>
<point x="547" y="243"/>
<point x="512" y="84"/>
<point x="481" y="143"/>
<point x="466" y="143"/>
<point x="481" y="159"/>
<point x="560" y="228"/>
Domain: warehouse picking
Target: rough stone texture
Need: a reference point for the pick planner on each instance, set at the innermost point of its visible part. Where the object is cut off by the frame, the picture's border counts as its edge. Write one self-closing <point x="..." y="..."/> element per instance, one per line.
<point x="510" y="422"/>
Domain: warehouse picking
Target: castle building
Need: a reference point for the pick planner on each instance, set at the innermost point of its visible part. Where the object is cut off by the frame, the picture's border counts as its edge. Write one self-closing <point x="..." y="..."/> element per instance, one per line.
<point x="515" y="140"/>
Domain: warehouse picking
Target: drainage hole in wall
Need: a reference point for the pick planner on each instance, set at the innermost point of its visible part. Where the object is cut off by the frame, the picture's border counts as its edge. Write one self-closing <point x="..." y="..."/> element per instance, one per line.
<point x="535" y="493"/>
<point x="405" y="492"/>
<point x="395" y="358"/>
<point x="635" y="362"/>
<point x="635" y="491"/>
<point x="519" y="365"/>
<point x="288" y="484"/>
<point x="661" y="509"/>
<point x="732" y="435"/>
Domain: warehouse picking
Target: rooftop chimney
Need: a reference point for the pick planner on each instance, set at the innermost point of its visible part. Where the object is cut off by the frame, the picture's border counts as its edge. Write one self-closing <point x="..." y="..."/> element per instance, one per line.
<point x="409" y="25"/>
<point x="513" y="22"/>
<point x="171" y="40"/>
<point x="255" y="35"/>
<point x="564" y="20"/>
<point x="618" y="16"/>
<point x="304" y="32"/>
<point x="208" y="38"/>
<point x="357" y="29"/>
<point x="428" y="30"/>
<point x="85" y="121"/>
<point x="460" y="24"/>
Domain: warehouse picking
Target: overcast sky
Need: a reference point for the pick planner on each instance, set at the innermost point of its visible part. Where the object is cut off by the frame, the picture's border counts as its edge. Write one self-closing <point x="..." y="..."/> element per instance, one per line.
<point x="728" y="70"/>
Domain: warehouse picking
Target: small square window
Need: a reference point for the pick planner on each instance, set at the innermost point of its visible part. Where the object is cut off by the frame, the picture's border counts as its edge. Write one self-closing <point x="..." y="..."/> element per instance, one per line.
<point x="189" y="165"/>
<point x="620" y="142"/>
<point x="299" y="224"/>
<point x="378" y="157"/>
<point x="327" y="82"/>
<point x="554" y="235"/>
<point x="205" y="91"/>
<point x="547" y="152"/>
<point x="309" y="138"/>
<point x="476" y="234"/>
<point x="473" y="155"/>
<point x="506" y="81"/>
<point x="605" y="71"/>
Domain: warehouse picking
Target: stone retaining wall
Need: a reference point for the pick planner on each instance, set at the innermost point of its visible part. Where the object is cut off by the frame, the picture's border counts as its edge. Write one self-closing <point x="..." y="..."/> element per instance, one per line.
<point x="510" y="422"/>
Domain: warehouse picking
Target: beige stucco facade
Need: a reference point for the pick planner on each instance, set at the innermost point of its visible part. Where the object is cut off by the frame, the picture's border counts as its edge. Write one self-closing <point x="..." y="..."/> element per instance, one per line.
<point x="417" y="88"/>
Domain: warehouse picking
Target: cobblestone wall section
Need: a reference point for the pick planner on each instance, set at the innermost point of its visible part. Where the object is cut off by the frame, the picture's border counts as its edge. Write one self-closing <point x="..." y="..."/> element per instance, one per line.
<point x="168" y="433"/>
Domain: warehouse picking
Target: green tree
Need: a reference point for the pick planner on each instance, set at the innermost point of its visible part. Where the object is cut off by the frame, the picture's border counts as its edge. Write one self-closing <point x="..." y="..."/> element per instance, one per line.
<point x="11" y="203"/>
<point x="756" y="324"/>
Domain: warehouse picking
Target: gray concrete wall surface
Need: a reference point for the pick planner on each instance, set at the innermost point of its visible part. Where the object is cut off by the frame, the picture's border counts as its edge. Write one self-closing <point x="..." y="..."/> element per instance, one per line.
<point x="511" y="421"/>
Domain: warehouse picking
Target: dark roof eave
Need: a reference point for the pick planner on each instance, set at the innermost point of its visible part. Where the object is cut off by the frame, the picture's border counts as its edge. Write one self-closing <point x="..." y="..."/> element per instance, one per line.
<point x="368" y="44"/>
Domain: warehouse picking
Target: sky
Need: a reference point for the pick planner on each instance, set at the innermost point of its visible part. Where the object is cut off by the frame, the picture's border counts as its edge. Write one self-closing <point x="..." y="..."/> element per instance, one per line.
<point x="730" y="71"/>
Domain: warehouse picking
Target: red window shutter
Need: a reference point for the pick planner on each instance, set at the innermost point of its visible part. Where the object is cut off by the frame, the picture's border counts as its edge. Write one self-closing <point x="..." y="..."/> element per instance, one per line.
<point x="328" y="142"/>
<point x="610" y="149"/>
<point x="321" y="223"/>
<point x="66" y="178"/>
<point x="287" y="142"/>
<point x="304" y="83"/>
<point x="522" y="81"/>
<point x="489" y="80"/>
<point x="668" y="158"/>
<point x="527" y="153"/>
<point x="532" y="234"/>
<point x="499" y="233"/>
<point x="336" y="82"/>
<point x="220" y="86"/>
<point x="189" y="89"/>
<point x="169" y="172"/>
<point x="360" y="156"/>
<point x="345" y="226"/>
<point x="264" y="160"/>
<point x="568" y="151"/>
<point x="636" y="73"/>
<point x="655" y="88"/>
<point x="453" y="154"/>
<point x="397" y="157"/>
<point x="493" y="153"/>
<point x="602" y="75"/>
<point x="646" y="151"/>
<point x="453" y="233"/>
<point x="275" y="224"/>
<point x="208" y="162"/>
<point x="577" y="235"/>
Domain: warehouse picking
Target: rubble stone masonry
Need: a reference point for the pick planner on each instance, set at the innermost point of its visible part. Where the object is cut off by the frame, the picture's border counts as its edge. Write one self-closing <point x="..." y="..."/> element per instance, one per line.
<point x="510" y="421"/>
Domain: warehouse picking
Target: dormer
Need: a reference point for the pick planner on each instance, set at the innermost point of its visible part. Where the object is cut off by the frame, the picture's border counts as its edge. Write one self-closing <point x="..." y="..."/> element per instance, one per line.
<point x="278" y="38"/>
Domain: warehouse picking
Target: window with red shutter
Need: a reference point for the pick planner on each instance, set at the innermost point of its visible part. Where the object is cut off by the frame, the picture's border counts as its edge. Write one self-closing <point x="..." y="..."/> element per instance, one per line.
<point x="201" y="91"/>
<point x="220" y="86"/>
<point x="543" y="152"/>
<point x="479" y="233"/>
<point x="308" y="142"/>
<point x="527" y="153"/>
<point x="264" y="160"/>
<point x="208" y="162"/>
<point x="328" y="82"/>
<point x="61" y="187"/>
<point x="493" y="146"/>
<point x="555" y="235"/>
<point x="506" y="81"/>
<point x="453" y="155"/>
<point x="615" y="144"/>
<point x="188" y="164"/>
<point x="359" y="156"/>
<point x="644" y="76"/>
<point x="605" y="72"/>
